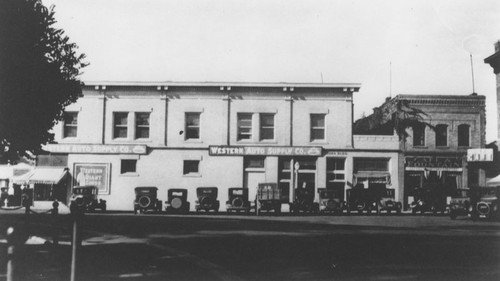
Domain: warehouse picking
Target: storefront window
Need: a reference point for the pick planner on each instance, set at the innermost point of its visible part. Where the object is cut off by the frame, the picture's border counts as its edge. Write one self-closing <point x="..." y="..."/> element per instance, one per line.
<point x="191" y="167"/>
<point x="335" y="169"/>
<point x="254" y="162"/>
<point x="128" y="166"/>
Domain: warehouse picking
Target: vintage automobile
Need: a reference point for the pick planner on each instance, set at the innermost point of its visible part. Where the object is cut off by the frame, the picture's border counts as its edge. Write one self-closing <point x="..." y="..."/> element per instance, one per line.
<point x="85" y="199"/>
<point x="177" y="201"/>
<point x="460" y="203"/>
<point x="359" y="199"/>
<point x="207" y="199"/>
<point x="238" y="200"/>
<point x="304" y="201"/>
<point x="268" y="198"/>
<point x="331" y="201"/>
<point x="487" y="203"/>
<point x="428" y="200"/>
<point x="146" y="200"/>
<point x="386" y="201"/>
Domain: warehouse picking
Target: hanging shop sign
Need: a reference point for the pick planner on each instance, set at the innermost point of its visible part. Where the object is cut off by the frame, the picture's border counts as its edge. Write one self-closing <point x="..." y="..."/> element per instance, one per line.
<point x="480" y="155"/>
<point x="265" y="150"/>
<point x="96" y="148"/>
<point x="433" y="162"/>
<point x="96" y="174"/>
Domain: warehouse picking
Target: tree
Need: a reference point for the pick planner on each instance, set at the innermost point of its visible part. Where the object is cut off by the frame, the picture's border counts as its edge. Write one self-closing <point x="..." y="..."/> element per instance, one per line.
<point x="39" y="69"/>
<point x="394" y="116"/>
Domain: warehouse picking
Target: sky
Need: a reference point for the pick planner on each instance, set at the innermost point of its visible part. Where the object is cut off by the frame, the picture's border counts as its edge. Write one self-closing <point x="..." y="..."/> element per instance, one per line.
<point x="390" y="47"/>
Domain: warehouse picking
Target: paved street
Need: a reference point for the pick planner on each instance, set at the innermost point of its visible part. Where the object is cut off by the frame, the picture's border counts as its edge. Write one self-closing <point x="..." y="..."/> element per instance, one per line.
<point x="220" y="247"/>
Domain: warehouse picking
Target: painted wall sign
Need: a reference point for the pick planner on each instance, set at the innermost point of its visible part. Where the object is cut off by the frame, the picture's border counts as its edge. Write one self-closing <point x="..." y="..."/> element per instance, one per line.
<point x="96" y="148"/>
<point x="97" y="174"/>
<point x="265" y="150"/>
<point x="434" y="162"/>
<point x="479" y="154"/>
<point x="337" y="153"/>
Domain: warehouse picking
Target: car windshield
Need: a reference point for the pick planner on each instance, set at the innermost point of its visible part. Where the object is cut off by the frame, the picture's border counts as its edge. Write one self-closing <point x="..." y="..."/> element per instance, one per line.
<point x="82" y="191"/>
<point x="462" y="193"/>
<point x="237" y="192"/>
<point x="485" y="191"/>
<point x="177" y="193"/>
<point x="389" y="192"/>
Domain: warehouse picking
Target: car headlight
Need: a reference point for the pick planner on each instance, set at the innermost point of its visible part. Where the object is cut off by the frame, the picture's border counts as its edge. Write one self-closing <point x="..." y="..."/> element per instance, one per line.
<point x="420" y="203"/>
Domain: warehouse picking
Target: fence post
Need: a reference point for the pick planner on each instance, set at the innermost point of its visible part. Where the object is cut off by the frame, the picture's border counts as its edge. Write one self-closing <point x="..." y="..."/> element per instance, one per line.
<point x="12" y="242"/>
<point x="77" y="214"/>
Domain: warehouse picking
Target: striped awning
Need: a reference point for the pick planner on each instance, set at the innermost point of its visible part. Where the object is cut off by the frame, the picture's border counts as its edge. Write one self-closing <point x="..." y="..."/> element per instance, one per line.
<point x="372" y="177"/>
<point x="52" y="175"/>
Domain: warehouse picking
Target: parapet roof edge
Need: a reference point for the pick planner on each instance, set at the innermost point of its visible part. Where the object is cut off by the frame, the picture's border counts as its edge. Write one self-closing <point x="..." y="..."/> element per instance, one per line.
<point x="356" y="86"/>
<point x="410" y="96"/>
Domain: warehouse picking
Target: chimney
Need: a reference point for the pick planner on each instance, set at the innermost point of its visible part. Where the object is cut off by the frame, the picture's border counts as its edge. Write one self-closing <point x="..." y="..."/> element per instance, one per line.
<point x="497" y="46"/>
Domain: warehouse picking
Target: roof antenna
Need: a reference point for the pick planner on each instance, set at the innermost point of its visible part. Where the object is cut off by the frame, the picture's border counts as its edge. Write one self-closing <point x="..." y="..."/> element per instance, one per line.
<point x="472" y="70"/>
<point x="390" y="79"/>
<point x="321" y="77"/>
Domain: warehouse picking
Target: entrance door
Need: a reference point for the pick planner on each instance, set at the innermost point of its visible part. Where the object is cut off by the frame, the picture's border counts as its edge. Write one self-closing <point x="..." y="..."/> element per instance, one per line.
<point x="251" y="181"/>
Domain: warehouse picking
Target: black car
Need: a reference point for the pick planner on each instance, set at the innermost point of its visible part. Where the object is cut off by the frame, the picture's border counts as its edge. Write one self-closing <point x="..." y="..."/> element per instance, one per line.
<point x="207" y="199"/>
<point x="85" y="198"/>
<point x="360" y="200"/>
<point x="238" y="200"/>
<point x="146" y="200"/>
<point x="304" y="201"/>
<point x="428" y="200"/>
<point x="460" y="203"/>
<point x="331" y="201"/>
<point x="177" y="201"/>
<point x="487" y="203"/>
<point x="386" y="201"/>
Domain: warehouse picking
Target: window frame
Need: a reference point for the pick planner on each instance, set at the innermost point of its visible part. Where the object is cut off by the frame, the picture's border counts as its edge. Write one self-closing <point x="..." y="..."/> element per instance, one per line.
<point x="117" y="126"/>
<point x="71" y="125"/>
<point x="266" y="127"/>
<point x="140" y="127"/>
<point x="239" y="126"/>
<point x="441" y="134"/>
<point x="419" y="135"/>
<point x="188" y="127"/>
<point x="313" y="128"/>
<point x="186" y="173"/>
<point x="459" y="137"/>
<point x="122" y="166"/>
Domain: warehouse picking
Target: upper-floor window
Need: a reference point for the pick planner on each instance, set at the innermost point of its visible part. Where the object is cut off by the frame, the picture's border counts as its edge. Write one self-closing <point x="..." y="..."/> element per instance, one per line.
<point x="419" y="135"/>
<point x="120" y="123"/>
<point x="191" y="167"/>
<point x="266" y="126"/>
<point x="317" y="127"/>
<point x="70" y="124"/>
<point x="128" y="166"/>
<point x="142" y="125"/>
<point x="441" y="135"/>
<point x="463" y="135"/>
<point x="244" y="126"/>
<point x="192" y="125"/>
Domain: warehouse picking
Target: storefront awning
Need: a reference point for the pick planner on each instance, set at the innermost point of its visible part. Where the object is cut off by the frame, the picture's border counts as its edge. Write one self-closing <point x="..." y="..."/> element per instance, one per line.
<point x="372" y="177"/>
<point x="433" y="169"/>
<point x="493" y="181"/>
<point x="42" y="176"/>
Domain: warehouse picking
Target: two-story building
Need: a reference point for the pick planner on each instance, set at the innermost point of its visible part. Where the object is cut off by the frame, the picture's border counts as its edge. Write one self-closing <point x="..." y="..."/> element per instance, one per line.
<point x="186" y="135"/>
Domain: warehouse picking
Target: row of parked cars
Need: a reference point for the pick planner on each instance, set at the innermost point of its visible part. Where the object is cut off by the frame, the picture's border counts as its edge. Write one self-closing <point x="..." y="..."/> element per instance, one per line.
<point x="480" y="202"/>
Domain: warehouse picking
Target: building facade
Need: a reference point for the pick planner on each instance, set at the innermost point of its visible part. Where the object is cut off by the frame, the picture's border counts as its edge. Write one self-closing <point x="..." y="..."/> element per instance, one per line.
<point x="494" y="62"/>
<point x="119" y="136"/>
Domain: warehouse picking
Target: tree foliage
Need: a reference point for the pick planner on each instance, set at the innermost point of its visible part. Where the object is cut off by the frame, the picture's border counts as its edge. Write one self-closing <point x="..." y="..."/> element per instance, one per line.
<point x="395" y="116"/>
<point x="39" y="69"/>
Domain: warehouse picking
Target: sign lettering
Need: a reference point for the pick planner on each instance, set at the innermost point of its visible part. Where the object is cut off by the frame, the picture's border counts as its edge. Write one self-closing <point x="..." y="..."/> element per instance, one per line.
<point x="264" y="151"/>
<point x="96" y="148"/>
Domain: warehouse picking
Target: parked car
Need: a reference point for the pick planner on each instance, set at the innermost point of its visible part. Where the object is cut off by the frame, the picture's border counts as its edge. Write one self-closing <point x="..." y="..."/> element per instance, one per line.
<point x="304" y="201"/>
<point x="146" y="200"/>
<point x="268" y="198"/>
<point x="177" y="201"/>
<point x="428" y="200"/>
<point x="460" y="203"/>
<point x="487" y="203"/>
<point x="207" y="199"/>
<point x="359" y="200"/>
<point x="238" y="200"/>
<point x="331" y="201"/>
<point x="85" y="198"/>
<point x="386" y="201"/>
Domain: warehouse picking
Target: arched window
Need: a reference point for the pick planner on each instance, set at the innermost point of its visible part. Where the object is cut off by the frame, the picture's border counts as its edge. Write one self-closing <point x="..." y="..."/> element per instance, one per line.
<point x="441" y="135"/>
<point x="419" y="135"/>
<point x="463" y="135"/>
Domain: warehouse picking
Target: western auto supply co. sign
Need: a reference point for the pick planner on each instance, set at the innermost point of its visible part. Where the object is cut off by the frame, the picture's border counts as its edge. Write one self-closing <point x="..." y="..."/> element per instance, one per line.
<point x="265" y="150"/>
<point x="96" y="148"/>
